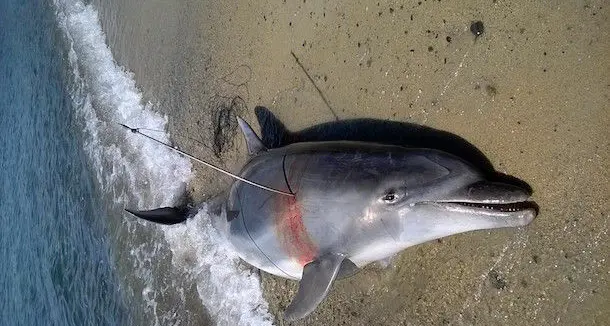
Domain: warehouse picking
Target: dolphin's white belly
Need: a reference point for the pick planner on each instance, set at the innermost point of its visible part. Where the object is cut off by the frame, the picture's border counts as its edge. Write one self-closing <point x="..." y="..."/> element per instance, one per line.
<point x="286" y="268"/>
<point x="375" y="251"/>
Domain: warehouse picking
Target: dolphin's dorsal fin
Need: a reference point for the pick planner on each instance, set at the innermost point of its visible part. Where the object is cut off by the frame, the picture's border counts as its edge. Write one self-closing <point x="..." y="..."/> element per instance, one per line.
<point x="254" y="144"/>
<point x="315" y="283"/>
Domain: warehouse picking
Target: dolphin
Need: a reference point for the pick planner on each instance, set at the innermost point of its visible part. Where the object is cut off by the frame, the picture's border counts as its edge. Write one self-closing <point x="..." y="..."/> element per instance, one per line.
<point x="341" y="205"/>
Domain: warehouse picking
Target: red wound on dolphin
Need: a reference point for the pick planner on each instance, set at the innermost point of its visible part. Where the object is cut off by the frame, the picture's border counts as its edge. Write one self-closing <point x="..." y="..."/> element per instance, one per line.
<point x="291" y="231"/>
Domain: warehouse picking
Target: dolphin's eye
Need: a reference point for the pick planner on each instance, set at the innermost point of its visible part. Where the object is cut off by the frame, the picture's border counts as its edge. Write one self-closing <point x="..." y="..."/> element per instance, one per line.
<point x="390" y="197"/>
<point x="393" y="195"/>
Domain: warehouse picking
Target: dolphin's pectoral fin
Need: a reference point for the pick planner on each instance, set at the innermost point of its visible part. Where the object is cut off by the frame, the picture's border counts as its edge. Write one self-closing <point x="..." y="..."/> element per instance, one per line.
<point x="317" y="278"/>
<point x="163" y="215"/>
<point x="347" y="269"/>
<point x="254" y="144"/>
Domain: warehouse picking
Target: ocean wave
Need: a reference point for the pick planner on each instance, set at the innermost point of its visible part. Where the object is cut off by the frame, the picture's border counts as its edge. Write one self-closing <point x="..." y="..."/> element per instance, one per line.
<point x="136" y="171"/>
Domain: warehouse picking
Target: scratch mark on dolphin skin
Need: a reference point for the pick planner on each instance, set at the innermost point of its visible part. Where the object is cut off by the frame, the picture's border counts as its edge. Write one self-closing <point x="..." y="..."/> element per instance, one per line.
<point x="387" y="230"/>
<point x="286" y="176"/>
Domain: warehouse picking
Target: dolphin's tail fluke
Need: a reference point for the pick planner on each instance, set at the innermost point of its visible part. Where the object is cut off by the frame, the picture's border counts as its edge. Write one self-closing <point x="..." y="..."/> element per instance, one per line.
<point x="163" y="215"/>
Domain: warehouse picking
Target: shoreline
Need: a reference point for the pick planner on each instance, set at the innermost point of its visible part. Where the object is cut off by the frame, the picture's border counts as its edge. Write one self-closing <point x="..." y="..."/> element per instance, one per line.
<point x="529" y="93"/>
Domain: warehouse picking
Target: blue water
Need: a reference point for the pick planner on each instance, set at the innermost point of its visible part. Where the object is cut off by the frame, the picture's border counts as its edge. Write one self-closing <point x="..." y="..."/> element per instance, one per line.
<point x="56" y="266"/>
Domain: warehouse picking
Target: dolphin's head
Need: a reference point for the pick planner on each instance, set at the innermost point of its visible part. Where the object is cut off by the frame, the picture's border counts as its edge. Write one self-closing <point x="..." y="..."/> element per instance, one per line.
<point x="434" y="194"/>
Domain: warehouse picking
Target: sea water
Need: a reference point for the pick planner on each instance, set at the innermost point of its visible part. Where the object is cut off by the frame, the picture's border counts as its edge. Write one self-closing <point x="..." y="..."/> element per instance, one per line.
<point x="55" y="260"/>
<point x="70" y="255"/>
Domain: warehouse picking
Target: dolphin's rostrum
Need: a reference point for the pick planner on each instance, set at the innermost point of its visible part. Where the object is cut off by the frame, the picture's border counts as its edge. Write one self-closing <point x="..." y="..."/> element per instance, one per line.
<point x="354" y="203"/>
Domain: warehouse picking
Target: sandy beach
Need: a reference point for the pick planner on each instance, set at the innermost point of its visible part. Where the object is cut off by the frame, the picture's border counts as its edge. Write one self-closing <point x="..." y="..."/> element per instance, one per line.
<point x="531" y="92"/>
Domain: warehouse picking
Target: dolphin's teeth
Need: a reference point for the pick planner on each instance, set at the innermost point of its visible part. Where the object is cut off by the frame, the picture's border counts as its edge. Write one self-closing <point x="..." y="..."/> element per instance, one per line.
<point x="510" y="207"/>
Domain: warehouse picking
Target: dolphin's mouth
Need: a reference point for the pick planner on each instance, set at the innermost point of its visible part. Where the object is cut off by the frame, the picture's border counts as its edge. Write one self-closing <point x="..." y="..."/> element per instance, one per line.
<point x="490" y="198"/>
<point x="500" y="207"/>
<point x="497" y="214"/>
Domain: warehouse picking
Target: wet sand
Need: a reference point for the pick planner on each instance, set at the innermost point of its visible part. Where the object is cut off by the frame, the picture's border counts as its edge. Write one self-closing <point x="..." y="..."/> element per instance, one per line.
<point x="531" y="92"/>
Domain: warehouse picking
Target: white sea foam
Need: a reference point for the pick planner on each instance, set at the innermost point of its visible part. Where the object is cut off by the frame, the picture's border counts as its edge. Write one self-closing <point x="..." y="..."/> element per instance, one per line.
<point x="110" y="96"/>
<point x="232" y="294"/>
<point x="141" y="173"/>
